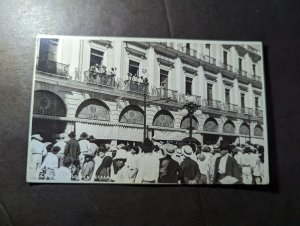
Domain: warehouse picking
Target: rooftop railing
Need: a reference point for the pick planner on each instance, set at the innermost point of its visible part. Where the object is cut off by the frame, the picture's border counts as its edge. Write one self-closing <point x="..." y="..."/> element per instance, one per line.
<point x="189" y="51"/>
<point x="209" y="59"/>
<point x="52" y="67"/>
<point x="227" y="67"/>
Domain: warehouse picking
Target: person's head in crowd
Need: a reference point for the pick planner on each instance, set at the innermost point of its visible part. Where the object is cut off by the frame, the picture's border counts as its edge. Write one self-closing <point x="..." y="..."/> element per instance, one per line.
<point x="120" y="158"/>
<point x="134" y="150"/>
<point x="205" y="148"/>
<point x="84" y="136"/>
<point x="187" y="151"/>
<point x="67" y="162"/>
<point x="102" y="150"/>
<point x="49" y="146"/>
<point x="147" y="146"/>
<point x="55" y="149"/>
<point x="261" y="153"/>
<point x="38" y="137"/>
<point x="178" y="152"/>
<point x="247" y="150"/>
<point x="194" y="147"/>
<point x="126" y="148"/>
<point x="91" y="138"/>
<point x="200" y="155"/>
<point x="224" y="150"/>
<point x="242" y="145"/>
<point x="88" y="157"/>
<point x="72" y="135"/>
<point x="170" y="149"/>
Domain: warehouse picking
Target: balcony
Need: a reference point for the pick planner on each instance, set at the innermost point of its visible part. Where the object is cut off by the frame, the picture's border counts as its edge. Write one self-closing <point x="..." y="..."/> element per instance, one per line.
<point x="209" y="59"/>
<point x="189" y="51"/>
<point x="231" y="107"/>
<point x="184" y="98"/>
<point x="102" y="79"/>
<point x="227" y="67"/>
<point x="54" y="68"/>
<point x="245" y="110"/>
<point x="258" y="113"/>
<point x="209" y="103"/>
<point x="256" y="78"/>
<point x="136" y="87"/>
<point x="241" y="72"/>
<point x="165" y="93"/>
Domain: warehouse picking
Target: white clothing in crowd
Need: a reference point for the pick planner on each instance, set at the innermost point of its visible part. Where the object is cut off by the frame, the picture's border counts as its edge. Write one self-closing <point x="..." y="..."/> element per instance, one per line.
<point x="63" y="174"/>
<point x="148" y="169"/>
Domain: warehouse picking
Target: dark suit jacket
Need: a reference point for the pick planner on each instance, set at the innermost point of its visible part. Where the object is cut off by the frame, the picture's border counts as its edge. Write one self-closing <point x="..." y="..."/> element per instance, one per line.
<point x="231" y="169"/>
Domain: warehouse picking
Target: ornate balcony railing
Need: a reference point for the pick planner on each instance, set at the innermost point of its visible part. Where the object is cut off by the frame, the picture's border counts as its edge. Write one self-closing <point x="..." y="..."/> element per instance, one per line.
<point x="209" y="103"/>
<point x="165" y="93"/>
<point x="101" y="79"/>
<point x="245" y="110"/>
<point x="209" y="59"/>
<point x="134" y="86"/>
<point x="241" y="72"/>
<point x="227" y="67"/>
<point x="52" y="67"/>
<point x="256" y="78"/>
<point x="258" y="113"/>
<point x="184" y="98"/>
<point x="231" y="107"/>
<point x="189" y="51"/>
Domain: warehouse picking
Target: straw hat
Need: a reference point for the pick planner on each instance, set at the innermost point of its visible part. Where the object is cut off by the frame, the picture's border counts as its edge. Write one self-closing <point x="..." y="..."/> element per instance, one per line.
<point x="187" y="151"/>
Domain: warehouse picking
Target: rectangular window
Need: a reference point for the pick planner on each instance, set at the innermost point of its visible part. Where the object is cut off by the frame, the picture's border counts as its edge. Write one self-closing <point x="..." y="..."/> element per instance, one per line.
<point x="52" y="54"/>
<point x="188" y="85"/>
<point x="240" y="64"/>
<point x="188" y="48"/>
<point x="96" y="57"/>
<point x="254" y="69"/>
<point x="225" y="57"/>
<point x="164" y="79"/>
<point x="242" y="100"/>
<point x="227" y="96"/>
<point x="209" y="92"/>
<point x="256" y="103"/>
<point x="48" y="55"/>
<point x="134" y="68"/>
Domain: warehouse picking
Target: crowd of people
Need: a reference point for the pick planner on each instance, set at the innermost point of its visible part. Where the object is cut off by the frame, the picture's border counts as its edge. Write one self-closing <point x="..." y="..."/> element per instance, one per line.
<point x="69" y="159"/>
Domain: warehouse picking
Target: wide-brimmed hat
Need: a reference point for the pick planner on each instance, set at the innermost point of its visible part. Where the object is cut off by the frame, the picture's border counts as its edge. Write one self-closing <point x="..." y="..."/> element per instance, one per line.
<point x="72" y="135"/>
<point x="187" y="150"/>
<point x="179" y="152"/>
<point x="205" y="148"/>
<point x="37" y="137"/>
<point x="84" y="135"/>
<point x="121" y="154"/>
<point x="102" y="148"/>
<point x="170" y="149"/>
<point x="91" y="138"/>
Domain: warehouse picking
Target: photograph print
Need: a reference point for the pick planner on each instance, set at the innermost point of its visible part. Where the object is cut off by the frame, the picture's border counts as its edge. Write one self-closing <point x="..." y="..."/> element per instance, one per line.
<point x="147" y="111"/>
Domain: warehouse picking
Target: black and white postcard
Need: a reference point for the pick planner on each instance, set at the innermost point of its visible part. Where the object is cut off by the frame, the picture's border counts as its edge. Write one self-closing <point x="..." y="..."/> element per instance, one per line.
<point x="147" y="111"/>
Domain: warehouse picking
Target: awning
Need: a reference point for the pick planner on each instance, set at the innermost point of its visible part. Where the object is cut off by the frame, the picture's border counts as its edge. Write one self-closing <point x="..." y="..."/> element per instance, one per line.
<point x="173" y="135"/>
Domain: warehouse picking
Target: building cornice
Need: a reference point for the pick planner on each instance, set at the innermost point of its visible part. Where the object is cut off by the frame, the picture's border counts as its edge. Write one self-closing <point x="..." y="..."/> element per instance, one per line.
<point x="143" y="45"/>
<point x="135" y="52"/>
<point x="105" y="43"/>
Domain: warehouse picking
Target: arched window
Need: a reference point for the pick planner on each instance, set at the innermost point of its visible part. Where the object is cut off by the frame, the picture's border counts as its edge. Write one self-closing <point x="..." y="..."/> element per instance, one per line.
<point x="163" y="118"/>
<point x="229" y="127"/>
<point x="48" y="103"/>
<point x="93" y="109"/>
<point x="132" y="114"/>
<point x="185" y="122"/>
<point x="244" y="129"/>
<point x="211" y="125"/>
<point x="258" y="131"/>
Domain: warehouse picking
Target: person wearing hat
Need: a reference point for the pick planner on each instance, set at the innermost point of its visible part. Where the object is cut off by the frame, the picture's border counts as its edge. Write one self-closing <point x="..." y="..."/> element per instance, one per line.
<point x="60" y="142"/>
<point x="85" y="147"/>
<point x="94" y="146"/>
<point x="169" y="170"/>
<point x="203" y="167"/>
<point x="123" y="173"/>
<point x="63" y="173"/>
<point x="37" y="149"/>
<point x="189" y="167"/>
<point x="104" y="170"/>
<point x="50" y="164"/>
<point x="72" y="149"/>
<point x="88" y="166"/>
<point x="225" y="166"/>
<point x="148" y="171"/>
<point x="216" y="155"/>
<point x="133" y="162"/>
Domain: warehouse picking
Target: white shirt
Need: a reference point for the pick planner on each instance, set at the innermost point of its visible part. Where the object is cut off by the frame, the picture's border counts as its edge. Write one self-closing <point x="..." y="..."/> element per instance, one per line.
<point x="203" y="167"/>
<point x="122" y="175"/>
<point x="62" y="146"/>
<point x="85" y="146"/>
<point x="238" y="157"/>
<point x="133" y="161"/>
<point x="148" y="169"/>
<point x="37" y="147"/>
<point x="222" y="164"/>
<point x="51" y="161"/>
<point x="63" y="174"/>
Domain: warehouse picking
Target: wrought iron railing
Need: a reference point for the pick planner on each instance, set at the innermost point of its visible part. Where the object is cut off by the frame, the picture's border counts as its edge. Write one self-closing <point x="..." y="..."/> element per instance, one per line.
<point x="189" y="51"/>
<point x="184" y="98"/>
<point x="209" y="59"/>
<point x="101" y="79"/>
<point x="134" y="86"/>
<point x="52" y="67"/>
<point x="241" y="72"/>
<point x="258" y="113"/>
<point x="231" y="107"/>
<point x="255" y="77"/>
<point x="209" y="103"/>
<point x="227" y="67"/>
<point x="246" y="110"/>
<point x="165" y="93"/>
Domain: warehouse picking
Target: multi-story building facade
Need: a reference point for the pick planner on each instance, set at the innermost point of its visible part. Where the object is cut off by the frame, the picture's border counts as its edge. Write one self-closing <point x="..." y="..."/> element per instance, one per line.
<point x="96" y="86"/>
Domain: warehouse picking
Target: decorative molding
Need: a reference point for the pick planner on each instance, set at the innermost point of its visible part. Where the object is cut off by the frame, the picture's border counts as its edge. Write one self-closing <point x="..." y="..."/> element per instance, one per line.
<point x="244" y="88"/>
<point x="190" y="61"/>
<point x="190" y="70"/>
<point x="165" y="62"/>
<point x="165" y="52"/>
<point x="257" y="92"/>
<point x="135" y="52"/>
<point x="105" y="43"/>
<point x="227" y="82"/>
<point x="143" y="45"/>
<point x="210" y="77"/>
<point x="227" y="46"/>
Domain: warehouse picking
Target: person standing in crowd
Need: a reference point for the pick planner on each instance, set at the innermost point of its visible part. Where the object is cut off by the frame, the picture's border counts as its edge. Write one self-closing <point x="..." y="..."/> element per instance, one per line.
<point x="88" y="166"/>
<point x="246" y="166"/>
<point x="169" y="169"/>
<point x="203" y="167"/>
<point x="50" y="164"/>
<point x="104" y="170"/>
<point x="63" y="173"/>
<point x="37" y="149"/>
<point x="85" y="147"/>
<point x="133" y="162"/>
<point x="123" y="173"/>
<point x="149" y="165"/>
<point x="178" y="155"/>
<point x="60" y="142"/>
<point x="226" y="166"/>
<point x="72" y="149"/>
<point x="94" y="146"/>
<point x="216" y="154"/>
<point x="189" y="167"/>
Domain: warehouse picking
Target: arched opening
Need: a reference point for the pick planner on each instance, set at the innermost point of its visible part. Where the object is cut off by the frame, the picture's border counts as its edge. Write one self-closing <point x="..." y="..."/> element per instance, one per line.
<point x="244" y="129"/>
<point x="229" y="127"/>
<point x="93" y="109"/>
<point x="47" y="103"/>
<point x="163" y="118"/>
<point x="132" y="114"/>
<point x="258" y="131"/>
<point x="185" y="122"/>
<point x="211" y="125"/>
